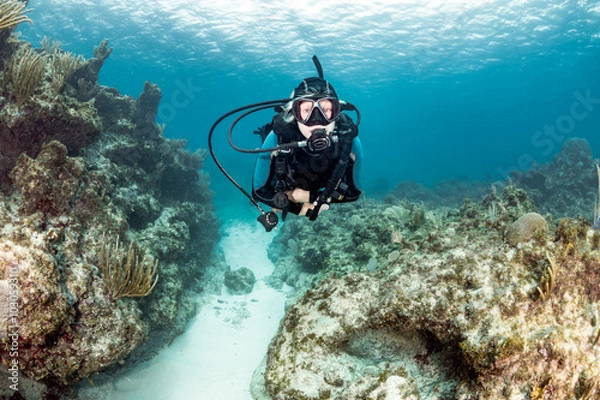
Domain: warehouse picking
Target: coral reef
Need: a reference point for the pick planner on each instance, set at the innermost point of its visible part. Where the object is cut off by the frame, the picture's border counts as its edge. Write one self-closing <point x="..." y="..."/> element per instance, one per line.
<point x="34" y="110"/>
<point x="435" y="304"/>
<point x="565" y="187"/>
<point x="68" y="326"/>
<point x="448" y="193"/>
<point x="80" y="165"/>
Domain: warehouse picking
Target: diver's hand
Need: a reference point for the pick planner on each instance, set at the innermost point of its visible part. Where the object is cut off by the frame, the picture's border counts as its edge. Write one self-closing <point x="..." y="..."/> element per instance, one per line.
<point x="311" y="206"/>
<point x="298" y="195"/>
<point x="346" y="128"/>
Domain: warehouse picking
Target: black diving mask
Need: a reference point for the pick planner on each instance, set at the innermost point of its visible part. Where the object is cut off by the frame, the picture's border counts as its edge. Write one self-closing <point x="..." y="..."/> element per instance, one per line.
<point x="311" y="112"/>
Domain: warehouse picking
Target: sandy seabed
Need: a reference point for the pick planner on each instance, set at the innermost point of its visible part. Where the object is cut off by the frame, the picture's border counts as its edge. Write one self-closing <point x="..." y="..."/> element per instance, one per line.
<point x="223" y="345"/>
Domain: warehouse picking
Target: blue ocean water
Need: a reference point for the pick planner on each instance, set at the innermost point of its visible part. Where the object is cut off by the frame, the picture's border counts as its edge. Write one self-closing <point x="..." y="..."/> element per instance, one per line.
<point x="447" y="89"/>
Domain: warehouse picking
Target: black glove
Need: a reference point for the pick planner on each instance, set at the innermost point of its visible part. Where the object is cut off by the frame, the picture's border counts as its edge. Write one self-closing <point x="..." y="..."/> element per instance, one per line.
<point x="287" y="131"/>
<point x="345" y="128"/>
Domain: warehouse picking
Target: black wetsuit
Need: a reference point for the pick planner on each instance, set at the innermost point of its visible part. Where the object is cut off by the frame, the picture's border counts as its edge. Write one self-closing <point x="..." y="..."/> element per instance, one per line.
<point x="301" y="168"/>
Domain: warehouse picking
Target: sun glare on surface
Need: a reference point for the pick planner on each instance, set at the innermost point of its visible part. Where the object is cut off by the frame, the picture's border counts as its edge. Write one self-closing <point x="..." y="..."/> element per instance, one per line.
<point x="318" y="9"/>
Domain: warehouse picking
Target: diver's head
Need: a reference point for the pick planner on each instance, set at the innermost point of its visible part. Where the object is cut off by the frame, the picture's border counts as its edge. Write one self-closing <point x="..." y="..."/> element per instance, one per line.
<point x="314" y="87"/>
<point x="315" y="105"/>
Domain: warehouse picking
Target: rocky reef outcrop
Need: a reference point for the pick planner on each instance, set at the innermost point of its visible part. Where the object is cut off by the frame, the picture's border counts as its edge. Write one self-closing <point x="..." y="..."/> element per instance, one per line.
<point x="81" y="166"/>
<point x="396" y="301"/>
<point x="566" y="186"/>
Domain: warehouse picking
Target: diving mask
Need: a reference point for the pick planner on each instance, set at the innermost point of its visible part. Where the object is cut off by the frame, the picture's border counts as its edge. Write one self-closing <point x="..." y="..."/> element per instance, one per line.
<point x="310" y="112"/>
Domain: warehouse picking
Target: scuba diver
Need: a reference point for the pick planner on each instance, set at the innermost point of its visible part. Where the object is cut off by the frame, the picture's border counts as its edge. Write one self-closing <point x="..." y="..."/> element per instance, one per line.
<point x="311" y="156"/>
<point x="293" y="180"/>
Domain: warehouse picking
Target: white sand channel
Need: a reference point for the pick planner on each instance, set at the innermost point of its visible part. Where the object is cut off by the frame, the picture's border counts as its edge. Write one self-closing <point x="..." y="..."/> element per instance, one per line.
<point x="215" y="358"/>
